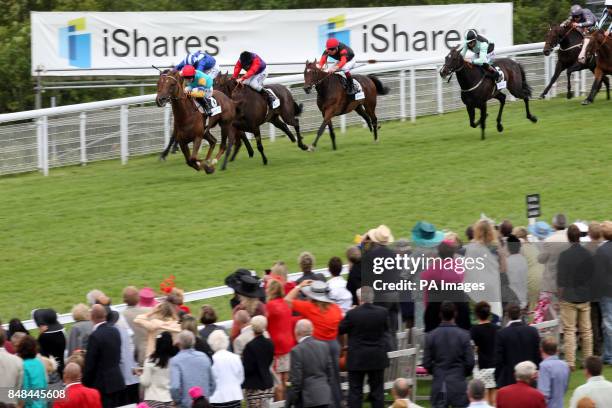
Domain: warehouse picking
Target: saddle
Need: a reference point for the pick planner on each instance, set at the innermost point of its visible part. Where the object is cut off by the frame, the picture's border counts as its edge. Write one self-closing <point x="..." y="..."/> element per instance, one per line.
<point x="275" y="99"/>
<point x="358" y="93"/>
<point x="212" y="110"/>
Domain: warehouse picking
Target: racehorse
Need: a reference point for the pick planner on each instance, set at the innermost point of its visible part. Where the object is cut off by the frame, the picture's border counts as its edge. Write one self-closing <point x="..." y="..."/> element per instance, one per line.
<point x="600" y="47"/>
<point x="570" y="42"/>
<point x="252" y="111"/>
<point x="189" y="124"/>
<point x="477" y="88"/>
<point x="333" y="100"/>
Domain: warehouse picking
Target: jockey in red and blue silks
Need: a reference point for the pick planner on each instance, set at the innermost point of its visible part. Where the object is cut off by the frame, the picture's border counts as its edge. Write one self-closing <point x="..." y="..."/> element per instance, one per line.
<point x="345" y="60"/>
<point x="255" y="75"/>
<point x="202" y="62"/>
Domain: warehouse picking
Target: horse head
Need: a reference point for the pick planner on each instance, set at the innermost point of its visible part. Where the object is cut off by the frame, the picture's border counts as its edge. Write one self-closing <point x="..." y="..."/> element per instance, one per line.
<point x="453" y="62"/>
<point x="598" y="39"/>
<point x="224" y="83"/>
<point x="169" y="87"/>
<point x="556" y="33"/>
<point x="312" y="75"/>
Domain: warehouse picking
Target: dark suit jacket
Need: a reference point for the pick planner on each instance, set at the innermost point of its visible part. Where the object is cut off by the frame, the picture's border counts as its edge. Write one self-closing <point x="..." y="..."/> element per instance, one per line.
<point x="367" y="328"/>
<point x="603" y="268"/>
<point x="520" y="395"/>
<point x="515" y="343"/>
<point x="449" y="357"/>
<point x="311" y="374"/>
<point x="257" y="357"/>
<point x="575" y="270"/>
<point x="102" y="359"/>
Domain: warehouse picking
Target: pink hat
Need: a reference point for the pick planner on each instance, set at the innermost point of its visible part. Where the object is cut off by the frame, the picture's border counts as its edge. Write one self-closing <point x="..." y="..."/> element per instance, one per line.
<point x="147" y="297"/>
<point x="143" y="405"/>
<point x="196" y="392"/>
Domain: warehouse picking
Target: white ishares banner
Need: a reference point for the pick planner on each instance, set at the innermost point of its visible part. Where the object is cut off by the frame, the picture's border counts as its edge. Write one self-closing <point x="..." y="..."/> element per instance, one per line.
<point x="105" y="43"/>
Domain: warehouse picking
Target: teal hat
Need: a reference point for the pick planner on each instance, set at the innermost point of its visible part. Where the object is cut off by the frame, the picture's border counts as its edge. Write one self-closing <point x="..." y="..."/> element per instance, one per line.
<point x="540" y="229"/>
<point x="425" y="234"/>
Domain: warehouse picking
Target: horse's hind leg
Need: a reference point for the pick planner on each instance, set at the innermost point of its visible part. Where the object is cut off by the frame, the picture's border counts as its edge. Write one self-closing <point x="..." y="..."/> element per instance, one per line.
<point x="260" y="145"/>
<point x="185" y="149"/>
<point x="361" y="112"/>
<point x="371" y="111"/>
<point x="332" y="135"/>
<point x="278" y="122"/>
<point x="501" y="97"/>
<point x="247" y="144"/>
<point x="531" y="117"/>
<point x="558" y="70"/>
<point x="471" y="115"/>
<point x="176" y="144"/>
<point x="483" y="120"/>
<point x="171" y="143"/>
<point x="606" y="81"/>
<point x="295" y="122"/>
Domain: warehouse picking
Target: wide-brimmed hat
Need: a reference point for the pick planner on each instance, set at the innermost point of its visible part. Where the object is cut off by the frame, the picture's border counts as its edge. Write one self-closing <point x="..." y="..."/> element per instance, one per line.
<point x="380" y="235"/>
<point x="249" y="286"/>
<point x="47" y="317"/>
<point x="233" y="279"/>
<point x="424" y="234"/>
<point x="146" y="297"/>
<point x="540" y="230"/>
<point x="318" y="290"/>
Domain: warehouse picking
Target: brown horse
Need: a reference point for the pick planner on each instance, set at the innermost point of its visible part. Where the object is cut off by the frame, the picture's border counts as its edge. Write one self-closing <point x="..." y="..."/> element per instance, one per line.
<point x="477" y="88"/>
<point x="570" y="43"/>
<point x="601" y="47"/>
<point x="333" y="100"/>
<point x="252" y="111"/>
<point x="189" y="124"/>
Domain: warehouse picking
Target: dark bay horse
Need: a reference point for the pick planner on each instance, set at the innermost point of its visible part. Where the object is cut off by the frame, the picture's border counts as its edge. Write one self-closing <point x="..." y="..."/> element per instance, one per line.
<point x="252" y="111"/>
<point x="570" y="42"/>
<point x="600" y="47"/>
<point x="333" y="100"/>
<point x="477" y="88"/>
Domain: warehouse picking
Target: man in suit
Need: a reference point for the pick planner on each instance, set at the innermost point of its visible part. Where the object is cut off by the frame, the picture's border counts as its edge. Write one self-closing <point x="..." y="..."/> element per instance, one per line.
<point x="603" y="281"/>
<point x="522" y="394"/>
<point x="450" y="359"/>
<point x="77" y="395"/>
<point x="515" y="343"/>
<point x="102" y="370"/>
<point x="132" y="297"/>
<point x="367" y="329"/>
<point x="11" y="370"/>
<point x="311" y="374"/>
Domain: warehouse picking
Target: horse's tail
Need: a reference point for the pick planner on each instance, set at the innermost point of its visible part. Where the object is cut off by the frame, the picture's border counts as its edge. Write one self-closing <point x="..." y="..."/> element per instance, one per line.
<point x="526" y="88"/>
<point x="298" y="108"/>
<point x="380" y="88"/>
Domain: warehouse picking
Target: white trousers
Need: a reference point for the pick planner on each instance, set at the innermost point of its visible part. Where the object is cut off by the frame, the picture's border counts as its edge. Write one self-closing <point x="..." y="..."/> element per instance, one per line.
<point x="256" y="81"/>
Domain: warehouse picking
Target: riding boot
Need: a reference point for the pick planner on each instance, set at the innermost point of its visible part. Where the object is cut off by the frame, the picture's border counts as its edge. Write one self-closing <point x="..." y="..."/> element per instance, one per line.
<point x="207" y="105"/>
<point x="350" y="87"/>
<point x="268" y="96"/>
<point x="491" y="72"/>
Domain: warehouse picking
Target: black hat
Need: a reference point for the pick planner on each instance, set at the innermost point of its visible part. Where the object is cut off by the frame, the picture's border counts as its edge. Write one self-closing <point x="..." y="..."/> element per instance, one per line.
<point x="233" y="280"/>
<point x="47" y="317"/>
<point x="250" y="286"/>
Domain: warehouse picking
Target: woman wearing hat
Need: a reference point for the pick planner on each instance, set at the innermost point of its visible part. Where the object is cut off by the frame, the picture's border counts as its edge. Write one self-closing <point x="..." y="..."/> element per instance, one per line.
<point x="52" y="340"/>
<point x="249" y="291"/>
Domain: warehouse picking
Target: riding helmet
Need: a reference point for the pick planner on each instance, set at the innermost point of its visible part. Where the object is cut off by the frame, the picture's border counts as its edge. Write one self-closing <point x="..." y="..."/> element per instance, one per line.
<point x="246" y="58"/>
<point x="576" y="10"/>
<point x="188" y="71"/>
<point x="332" y="43"/>
<point x="470" y="35"/>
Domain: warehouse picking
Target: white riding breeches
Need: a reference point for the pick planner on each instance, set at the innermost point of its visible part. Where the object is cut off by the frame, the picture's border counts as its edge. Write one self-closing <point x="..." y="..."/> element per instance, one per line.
<point x="346" y="67"/>
<point x="582" y="55"/>
<point x="256" y="81"/>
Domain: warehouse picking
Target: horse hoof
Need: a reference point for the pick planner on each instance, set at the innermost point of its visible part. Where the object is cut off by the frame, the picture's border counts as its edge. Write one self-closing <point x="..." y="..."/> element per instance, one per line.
<point x="570" y="95"/>
<point x="533" y="119"/>
<point x="209" y="169"/>
<point x="214" y="161"/>
<point x="162" y="158"/>
<point x="303" y="147"/>
<point x="586" y="102"/>
<point x="473" y="125"/>
<point x="500" y="127"/>
<point x="312" y="148"/>
<point x="542" y="96"/>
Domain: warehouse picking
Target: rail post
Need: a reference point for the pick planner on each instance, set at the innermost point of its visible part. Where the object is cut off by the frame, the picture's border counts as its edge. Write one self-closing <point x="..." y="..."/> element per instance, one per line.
<point x="402" y="94"/>
<point x="167" y="109"/>
<point x="342" y="123"/>
<point x="272" y="133"/>
<point x="45" y="145"/>
<point x="82" y="139"/>
<point x="123" y="133"/>
<point x="439" y="94"/>
<point x="412" y="94"/>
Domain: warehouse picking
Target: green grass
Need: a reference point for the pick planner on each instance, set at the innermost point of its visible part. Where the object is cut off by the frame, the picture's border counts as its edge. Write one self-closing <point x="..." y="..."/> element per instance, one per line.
<point x="106" y="226"/>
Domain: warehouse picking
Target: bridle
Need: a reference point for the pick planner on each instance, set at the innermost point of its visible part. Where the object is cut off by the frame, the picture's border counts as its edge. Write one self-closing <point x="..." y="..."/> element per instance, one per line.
<point x="323" y="78"/>
<point x="173" y="98"/>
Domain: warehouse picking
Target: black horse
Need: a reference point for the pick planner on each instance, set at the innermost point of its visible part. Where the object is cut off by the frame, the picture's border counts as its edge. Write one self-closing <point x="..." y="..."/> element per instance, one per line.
<point x="477" y="87"/>
<point x="570" y="43"/>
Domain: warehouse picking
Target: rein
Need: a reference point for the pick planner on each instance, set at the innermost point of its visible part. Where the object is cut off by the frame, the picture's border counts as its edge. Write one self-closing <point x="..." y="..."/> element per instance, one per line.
<point x="459" y="70"/>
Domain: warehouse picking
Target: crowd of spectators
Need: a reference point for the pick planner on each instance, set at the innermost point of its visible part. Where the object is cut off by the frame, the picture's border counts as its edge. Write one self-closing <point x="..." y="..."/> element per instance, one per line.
<point x="297" y="340"/>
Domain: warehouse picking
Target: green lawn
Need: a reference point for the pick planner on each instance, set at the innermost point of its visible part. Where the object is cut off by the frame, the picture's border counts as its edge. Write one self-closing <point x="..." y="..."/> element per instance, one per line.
<point x="106" y="225"/>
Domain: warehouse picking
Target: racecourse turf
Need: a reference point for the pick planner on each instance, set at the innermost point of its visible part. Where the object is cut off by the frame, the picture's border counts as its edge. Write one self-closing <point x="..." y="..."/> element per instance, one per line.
<point x="106" y="225"/>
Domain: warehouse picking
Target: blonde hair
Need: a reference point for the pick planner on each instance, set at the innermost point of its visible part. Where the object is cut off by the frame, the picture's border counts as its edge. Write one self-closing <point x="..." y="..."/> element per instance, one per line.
<point x="249" y="304"/>
<point x="166" y="311"/>
<point x="520" y="232"/>
<point x="274" y="290"/>
<point x="178" y="293"/>
<point x="306" y="260"/>
<point x="190" y="323"/>
<point x="80" y="312"/>
<point x="50" y="364"/>
<point x="280" y="269"/>
<point x="484" y="232"/>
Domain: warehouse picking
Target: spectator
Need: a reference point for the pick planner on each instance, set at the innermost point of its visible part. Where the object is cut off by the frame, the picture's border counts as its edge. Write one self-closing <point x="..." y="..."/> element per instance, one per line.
<point x="54" y="381"/>
<point x="190" y="323"/>
<point x="138" y="303"/>
<point x="337" y="285"/>
<point x="484" y="335"/>
<point x="596" y="388"/>
<point x="51" y="339"/>
<point x="522" y="394"/>
<point x="155" y="378"/>
<point x="353" y="254"/>
<point x="96" y="296"/>
<point x="445" y="269"/>
<point x="280" y="272"/>
<point x="603" y="259"/>
<point x="198" y="400"/>
<point x="312" y="373"/>
<point x="80" y="330"/>
<point x="11" y="368"/>
<point x="161" y="318"/>
<point x="78" y="357"/>
<point x="549" y="256"/>
<point x="103" y="359"/>
<point x="515" y="343"/>
<point x="180" y="297"/>
<point x="77" y="395"/>
<point x="401" y="394"/>
<point x="586" y="402"/>
<point x="575" y="276"/>
<point x="15" y="326"/>
<point x="469" y="233"/>
<point x="280" y="326"/>
<point x="16" y="338"/>
<point x="449" y="358"/>
<point x="34" y="374"/>
<point x="306" y="262"/>
<point x="483" y="247"/>
<point x="477" y="392"/>
<point x="367" y="330"/>
<point x="325" y="316"/>
<point x="128" y="359"/>
<point x="257" y="358"/>
<point x="228" y="372"/>
<point x="250" y="292"/>
<point x="595" y="237"/>
<point x="554" y="375"/>
<point x="243" y="322"/>
<point x="534" y="268"/>
<point x="517" y="269"/>
<point x="208" y="318"/>
<point x="189" y="368"/>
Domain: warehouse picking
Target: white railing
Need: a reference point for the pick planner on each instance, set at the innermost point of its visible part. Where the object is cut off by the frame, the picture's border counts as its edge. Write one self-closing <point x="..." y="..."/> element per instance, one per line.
<point x="119" y="128"/>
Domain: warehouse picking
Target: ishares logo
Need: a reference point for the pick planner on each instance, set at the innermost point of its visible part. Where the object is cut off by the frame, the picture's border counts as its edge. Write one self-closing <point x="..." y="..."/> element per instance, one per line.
<point x="74" y="44"/>
<point x="334" y="28"/>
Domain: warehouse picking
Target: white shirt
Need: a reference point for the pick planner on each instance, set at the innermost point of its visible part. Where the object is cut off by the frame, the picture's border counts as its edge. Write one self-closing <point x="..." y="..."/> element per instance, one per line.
<point x="228" y="372"/>
<point x="156" y="382"/>
<point x="597" y="389"/>
<point x="340" y="294"/>
<point x="96" y="326"/>
<point x="479" y="404"/>
<point x="513" y="321"/>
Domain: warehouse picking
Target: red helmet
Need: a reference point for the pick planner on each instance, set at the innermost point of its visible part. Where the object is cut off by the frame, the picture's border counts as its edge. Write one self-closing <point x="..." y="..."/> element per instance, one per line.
<point x="332" y="43"/>
<point x="188" y="71"/>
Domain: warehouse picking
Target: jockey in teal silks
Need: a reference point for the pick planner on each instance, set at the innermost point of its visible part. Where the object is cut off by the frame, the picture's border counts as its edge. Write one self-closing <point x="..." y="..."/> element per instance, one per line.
<point x="483" y="50"/>
<point x="198" y="85"/>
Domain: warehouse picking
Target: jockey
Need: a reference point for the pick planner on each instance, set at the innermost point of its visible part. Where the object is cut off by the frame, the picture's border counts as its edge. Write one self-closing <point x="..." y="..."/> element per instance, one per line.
<point x="482" y="49"/>
<point x="580" y="18"/>
<point x="606" y="16"/>
<point x="201" y="61"/>
<point x="345" y="60"/>
<point x="199" y="85"/>
<point x="255" y="74"/>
